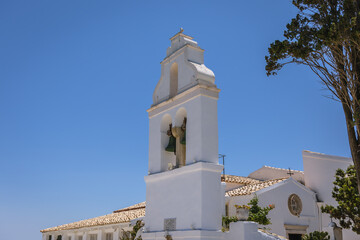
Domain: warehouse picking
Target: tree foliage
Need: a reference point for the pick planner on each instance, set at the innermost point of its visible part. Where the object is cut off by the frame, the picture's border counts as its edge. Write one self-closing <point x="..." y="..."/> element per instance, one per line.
<point x="259" y="214"/>
<point x="226" y="220"/>
<point x="131" y="235"/>
<point x="345" y="192"/>
<point x="316" y="236"/>
<point x="325" y="36"/>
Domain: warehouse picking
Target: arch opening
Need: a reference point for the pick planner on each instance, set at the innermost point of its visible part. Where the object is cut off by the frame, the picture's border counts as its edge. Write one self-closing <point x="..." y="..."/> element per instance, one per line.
<point x="168" y="160"/>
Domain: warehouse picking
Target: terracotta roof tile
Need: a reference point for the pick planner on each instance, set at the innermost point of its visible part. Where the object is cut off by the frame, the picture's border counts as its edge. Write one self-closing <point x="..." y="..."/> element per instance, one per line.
<point x="284" y="169"/>
<point x="136" y="206"/>
<point x="251" y="188"/>
<point x="240" y="180"/>
<point x="125" y="215"/>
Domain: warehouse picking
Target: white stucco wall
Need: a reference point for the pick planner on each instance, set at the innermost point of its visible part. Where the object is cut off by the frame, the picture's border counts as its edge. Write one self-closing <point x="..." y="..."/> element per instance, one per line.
<point x="278" y="194"/>
<point x="200" y="105"/>
<point x="191" y="194"/>
<point x="189" y="58"/>
<point x="319" y="172"/>
<point x="196" y="97"/>
<point x="100" y="231"/>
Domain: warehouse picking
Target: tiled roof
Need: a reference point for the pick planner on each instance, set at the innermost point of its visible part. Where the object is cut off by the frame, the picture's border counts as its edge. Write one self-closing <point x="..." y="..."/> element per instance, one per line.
<point x="251" y="188"/>
<point x="120" y="216"/>
<point x="136" y="206"/>
<point x="284" y="169"/>
<point x="240" y="180"/>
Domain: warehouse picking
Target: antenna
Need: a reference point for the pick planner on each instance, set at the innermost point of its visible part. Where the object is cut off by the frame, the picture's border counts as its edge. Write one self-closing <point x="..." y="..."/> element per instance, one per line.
<point x="223" y="158"/>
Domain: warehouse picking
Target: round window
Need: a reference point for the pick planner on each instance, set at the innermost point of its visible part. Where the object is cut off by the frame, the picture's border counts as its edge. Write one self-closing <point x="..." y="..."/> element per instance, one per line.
<point x="295" y="204"/>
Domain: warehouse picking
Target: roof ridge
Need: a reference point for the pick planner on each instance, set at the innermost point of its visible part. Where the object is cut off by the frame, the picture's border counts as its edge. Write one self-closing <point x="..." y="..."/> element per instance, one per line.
<point x="283" y="169"/>
<point x="238" y="179"/>
<point x="236" y="176"/>
<point x="127" y="209"/>
<point x="132" y="207"/>
<point x="125" y="215"/>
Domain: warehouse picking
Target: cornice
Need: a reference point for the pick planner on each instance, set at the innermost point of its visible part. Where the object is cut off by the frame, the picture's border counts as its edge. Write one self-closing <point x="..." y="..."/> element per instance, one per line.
<point x="177" y="52"/>
<point x="185" y="96"/>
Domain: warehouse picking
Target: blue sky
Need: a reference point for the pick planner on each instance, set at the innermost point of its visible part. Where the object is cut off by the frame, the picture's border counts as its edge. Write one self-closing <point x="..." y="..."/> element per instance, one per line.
<point x="76" y="78"/>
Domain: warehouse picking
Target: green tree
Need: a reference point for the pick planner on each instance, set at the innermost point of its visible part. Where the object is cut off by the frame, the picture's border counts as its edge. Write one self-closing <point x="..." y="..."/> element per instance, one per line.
<point x="345" y="192"/>
<point x="316" y="236"/>
<point x="259" y="214"/>
<point x="130" y="235"/>
<point x="226" y="220"/>
<point x="325" y="36"/>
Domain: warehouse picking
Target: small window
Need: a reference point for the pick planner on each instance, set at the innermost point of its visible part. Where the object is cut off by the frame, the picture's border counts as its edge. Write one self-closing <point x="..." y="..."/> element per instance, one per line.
<point x="93" y="236"/>
<point x="109" y="236"/>
<point x="69" y="238"/>
<point x="50" y="237"/>
<point x="59" y="237"/>
<point x="80" y="238"/>
<point x="227" y="209"/>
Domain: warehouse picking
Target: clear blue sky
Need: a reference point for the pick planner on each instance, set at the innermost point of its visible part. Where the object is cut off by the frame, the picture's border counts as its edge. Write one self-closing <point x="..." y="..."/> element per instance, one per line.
<point x="76" y="78"/>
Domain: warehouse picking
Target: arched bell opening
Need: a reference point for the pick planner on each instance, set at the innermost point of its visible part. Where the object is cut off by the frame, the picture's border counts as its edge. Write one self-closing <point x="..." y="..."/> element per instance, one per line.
<point x="179" y="131"/>
<point x="173" y="79"/>
<point x="168" y="158"/>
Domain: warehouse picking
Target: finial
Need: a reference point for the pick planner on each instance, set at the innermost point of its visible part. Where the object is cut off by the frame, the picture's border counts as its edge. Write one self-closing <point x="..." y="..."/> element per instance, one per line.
<point x="181" y="30"/>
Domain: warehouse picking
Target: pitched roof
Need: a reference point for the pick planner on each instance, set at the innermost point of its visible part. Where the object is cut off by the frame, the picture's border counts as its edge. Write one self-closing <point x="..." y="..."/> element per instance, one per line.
<point x="267" y="173"/>
<point x="251" y="188"/>
<point x="133" y="207"/>
<point x="119" y="216"/>
<point x="284" y="169"/>
<point x="240" y="180"/>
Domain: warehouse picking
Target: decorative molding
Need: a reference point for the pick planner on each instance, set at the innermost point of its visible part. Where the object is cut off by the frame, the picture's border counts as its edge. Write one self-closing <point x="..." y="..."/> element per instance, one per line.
<point x="325" y="157"/>
<point x="181" y="98"/>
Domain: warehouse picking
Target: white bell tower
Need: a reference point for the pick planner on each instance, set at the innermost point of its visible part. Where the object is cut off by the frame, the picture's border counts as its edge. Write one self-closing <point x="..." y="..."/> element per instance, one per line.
<point x="184" y="195"/>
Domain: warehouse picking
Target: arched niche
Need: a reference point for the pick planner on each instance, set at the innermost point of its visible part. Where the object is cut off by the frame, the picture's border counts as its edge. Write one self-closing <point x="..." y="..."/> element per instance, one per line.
<point x="179" y="116"/>
<point x="174" y="77"/>
<point x="167" y="158"/>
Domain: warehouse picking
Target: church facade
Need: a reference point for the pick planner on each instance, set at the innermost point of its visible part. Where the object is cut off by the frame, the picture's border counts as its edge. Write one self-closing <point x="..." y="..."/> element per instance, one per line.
<point x="186" y="193"/>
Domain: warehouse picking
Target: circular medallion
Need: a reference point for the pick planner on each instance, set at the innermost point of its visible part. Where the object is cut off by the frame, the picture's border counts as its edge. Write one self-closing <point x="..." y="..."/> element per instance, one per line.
<point x="295" y="204"/>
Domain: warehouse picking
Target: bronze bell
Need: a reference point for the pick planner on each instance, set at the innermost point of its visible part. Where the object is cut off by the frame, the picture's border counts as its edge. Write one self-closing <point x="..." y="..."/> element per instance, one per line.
<point x="172" y="144"/>
<point x="183" y="140"/>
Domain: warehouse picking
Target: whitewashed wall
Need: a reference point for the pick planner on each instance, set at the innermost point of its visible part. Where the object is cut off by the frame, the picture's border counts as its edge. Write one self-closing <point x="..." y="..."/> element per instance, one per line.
<point x="278" y="194"/>
<point x="319" y="172"/>
<point x="100" y="231"/>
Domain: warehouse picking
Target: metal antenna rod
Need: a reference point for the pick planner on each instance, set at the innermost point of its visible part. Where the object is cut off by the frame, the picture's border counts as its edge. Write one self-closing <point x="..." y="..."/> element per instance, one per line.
<point x="223" y="158"/>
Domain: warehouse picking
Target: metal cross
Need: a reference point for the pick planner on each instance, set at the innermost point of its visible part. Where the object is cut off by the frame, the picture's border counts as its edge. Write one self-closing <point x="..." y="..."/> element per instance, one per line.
<point x="290" y="173"/>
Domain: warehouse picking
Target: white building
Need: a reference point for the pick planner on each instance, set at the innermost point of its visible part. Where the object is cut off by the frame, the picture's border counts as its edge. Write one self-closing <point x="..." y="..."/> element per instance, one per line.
<point x="186" y="195"/>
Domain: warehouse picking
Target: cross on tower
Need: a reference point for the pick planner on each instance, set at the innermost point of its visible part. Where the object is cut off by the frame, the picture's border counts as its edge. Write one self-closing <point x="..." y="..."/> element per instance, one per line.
<point x="290" y="173"/>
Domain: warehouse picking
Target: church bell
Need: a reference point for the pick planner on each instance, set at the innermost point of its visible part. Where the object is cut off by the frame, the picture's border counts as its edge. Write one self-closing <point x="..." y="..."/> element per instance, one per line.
<point x="183" y="140"/>
<point x="172" y="144"/>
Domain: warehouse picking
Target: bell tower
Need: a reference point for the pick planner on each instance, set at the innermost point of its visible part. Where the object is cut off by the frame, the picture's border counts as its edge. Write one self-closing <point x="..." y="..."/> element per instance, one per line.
<point x="184" y="195"/>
